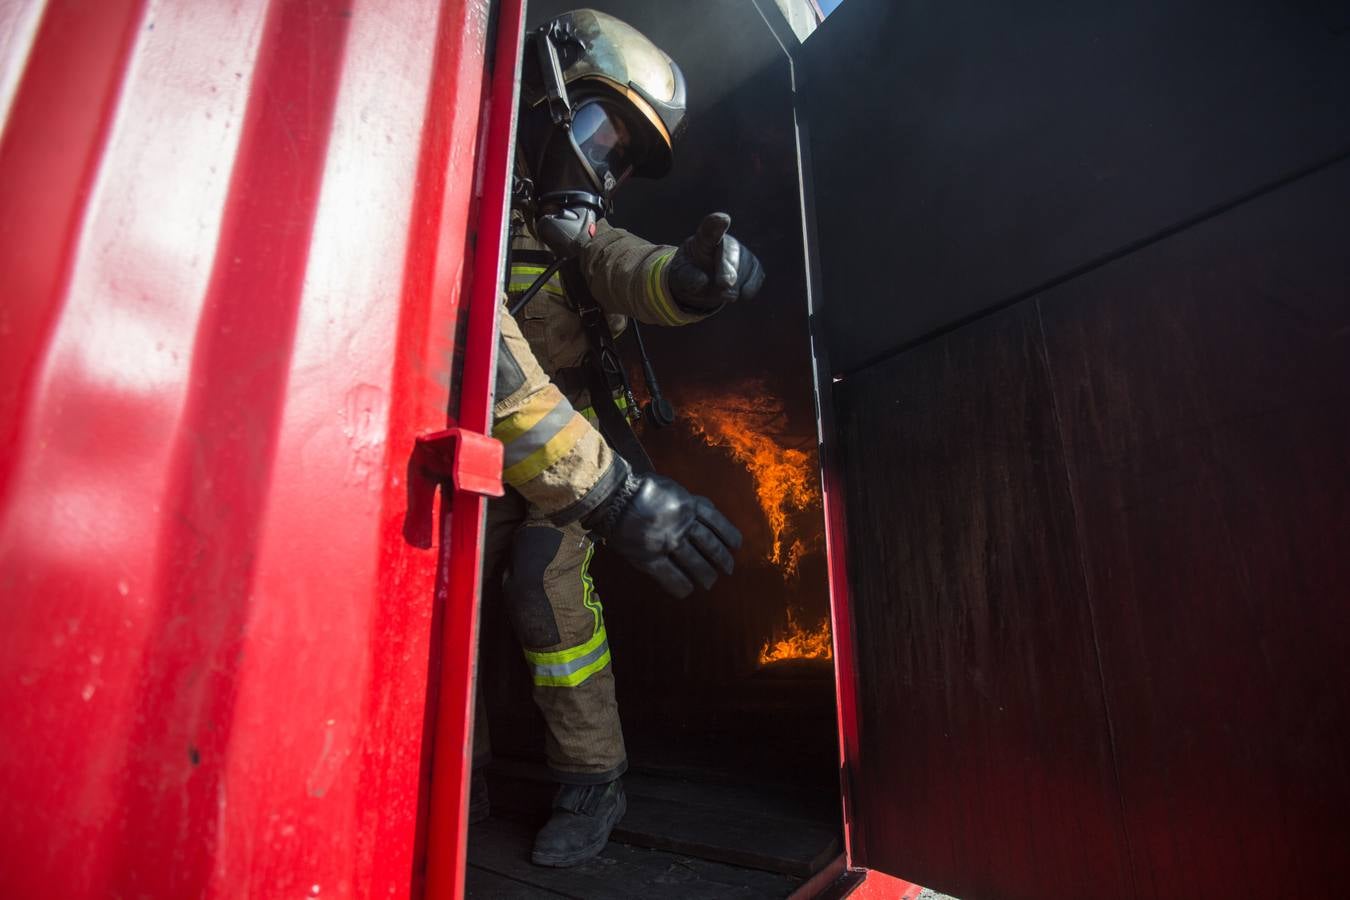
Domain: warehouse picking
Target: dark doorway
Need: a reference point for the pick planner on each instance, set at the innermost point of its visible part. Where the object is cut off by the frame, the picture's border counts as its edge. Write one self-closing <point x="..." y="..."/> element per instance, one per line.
<point x="730" y="728"/>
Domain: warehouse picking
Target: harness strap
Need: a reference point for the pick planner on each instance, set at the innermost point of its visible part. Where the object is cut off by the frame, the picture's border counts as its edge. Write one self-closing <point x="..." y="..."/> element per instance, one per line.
<point x="605" y="372"/>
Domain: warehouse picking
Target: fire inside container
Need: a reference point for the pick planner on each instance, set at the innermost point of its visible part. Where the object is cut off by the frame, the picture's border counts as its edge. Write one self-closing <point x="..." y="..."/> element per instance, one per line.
<point x="749" y="425"/>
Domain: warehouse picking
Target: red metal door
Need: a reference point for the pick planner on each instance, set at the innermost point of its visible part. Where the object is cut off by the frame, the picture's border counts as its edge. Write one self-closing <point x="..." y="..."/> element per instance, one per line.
<point x="237" y="262"/>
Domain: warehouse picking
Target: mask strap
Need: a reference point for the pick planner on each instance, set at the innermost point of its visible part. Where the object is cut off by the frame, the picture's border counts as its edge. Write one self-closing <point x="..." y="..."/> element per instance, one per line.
<point x="549" y="38"/>
<point x="573" y="199"/>
<point x="559" y="105"/>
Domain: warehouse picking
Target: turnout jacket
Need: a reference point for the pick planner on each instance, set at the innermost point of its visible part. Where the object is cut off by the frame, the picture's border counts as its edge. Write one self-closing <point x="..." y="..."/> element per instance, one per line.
<point x="554" y="456"/>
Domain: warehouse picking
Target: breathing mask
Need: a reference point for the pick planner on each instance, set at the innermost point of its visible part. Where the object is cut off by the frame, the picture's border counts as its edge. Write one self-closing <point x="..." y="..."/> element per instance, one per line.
<point x="600" y="102"/>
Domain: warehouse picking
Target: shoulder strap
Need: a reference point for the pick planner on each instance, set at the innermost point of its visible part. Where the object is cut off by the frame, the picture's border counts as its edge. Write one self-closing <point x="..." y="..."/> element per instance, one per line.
<point x="605" y="371"/>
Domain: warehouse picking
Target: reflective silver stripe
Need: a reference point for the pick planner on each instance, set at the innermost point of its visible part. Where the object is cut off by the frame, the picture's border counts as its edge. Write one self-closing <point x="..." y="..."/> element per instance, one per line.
<point x="539" y="434"/>
<point x="572" y="666"/>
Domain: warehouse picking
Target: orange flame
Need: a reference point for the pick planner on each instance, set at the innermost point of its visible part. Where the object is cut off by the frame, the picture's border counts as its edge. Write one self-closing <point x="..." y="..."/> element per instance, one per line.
<point x="785" y="478"/>
<point x="798" y="643"/>
<point x="744" y="423"/>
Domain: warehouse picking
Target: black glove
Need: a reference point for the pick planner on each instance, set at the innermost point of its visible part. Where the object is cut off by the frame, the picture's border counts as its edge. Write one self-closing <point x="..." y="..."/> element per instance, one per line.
<point x="712" y="268"/>
<point x="667" y="532"/>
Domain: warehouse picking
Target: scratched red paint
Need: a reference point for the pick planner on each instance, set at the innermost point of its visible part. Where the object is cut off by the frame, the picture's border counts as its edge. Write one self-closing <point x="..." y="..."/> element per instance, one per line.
<point x="229" y="303"/>
<point x="880" y="886"/>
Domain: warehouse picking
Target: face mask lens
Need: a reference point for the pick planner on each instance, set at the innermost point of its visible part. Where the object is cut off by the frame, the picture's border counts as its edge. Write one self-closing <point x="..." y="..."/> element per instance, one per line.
<point x="604" y="141"/>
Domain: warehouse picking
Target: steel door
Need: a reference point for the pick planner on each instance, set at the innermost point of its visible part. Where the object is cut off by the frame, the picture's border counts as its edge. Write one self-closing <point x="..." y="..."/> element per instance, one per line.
<point x="1079" y="306"/>
<point x="248" y="257"/>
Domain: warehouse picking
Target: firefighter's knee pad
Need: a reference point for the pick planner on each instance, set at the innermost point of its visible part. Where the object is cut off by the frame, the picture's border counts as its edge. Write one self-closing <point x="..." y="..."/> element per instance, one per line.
<point x="527" y="601"/>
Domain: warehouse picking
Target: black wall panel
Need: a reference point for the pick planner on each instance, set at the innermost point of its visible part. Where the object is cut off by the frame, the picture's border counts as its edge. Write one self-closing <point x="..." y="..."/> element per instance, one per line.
<point x="968" y="152"/>
<point x="1086" y="276"/>
<point x="1101" y="582"/>
<point x="985" y="766"/>
<point x="1203" y="386"/>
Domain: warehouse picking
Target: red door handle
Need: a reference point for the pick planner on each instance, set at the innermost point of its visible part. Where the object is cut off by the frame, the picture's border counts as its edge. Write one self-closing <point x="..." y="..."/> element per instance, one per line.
<point x="466" y="460"/>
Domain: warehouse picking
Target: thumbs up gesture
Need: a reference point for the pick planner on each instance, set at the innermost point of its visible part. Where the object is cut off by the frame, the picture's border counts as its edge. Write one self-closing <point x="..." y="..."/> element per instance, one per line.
<point x="711" y="268"/>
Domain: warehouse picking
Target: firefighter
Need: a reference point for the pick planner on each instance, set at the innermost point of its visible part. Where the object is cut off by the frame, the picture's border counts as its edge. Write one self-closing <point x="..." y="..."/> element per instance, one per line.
<point x="600" y="103"/>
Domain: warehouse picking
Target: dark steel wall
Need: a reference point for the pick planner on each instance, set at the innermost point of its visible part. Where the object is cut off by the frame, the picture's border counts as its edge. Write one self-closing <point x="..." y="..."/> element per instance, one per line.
<point x="989" y="149"/>
<point x="1087" y="284"/>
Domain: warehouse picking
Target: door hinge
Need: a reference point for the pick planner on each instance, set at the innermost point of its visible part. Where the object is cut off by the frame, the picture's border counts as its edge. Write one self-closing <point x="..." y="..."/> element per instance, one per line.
<point x="467" y="461"/>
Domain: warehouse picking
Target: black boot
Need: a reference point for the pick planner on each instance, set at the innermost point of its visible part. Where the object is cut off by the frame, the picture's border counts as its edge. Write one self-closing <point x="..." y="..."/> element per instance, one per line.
<point x="479" y="805"/>
<point x="583" y="817"/>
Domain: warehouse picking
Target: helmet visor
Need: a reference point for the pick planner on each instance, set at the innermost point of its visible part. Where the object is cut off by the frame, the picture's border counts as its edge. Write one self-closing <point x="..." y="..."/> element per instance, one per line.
<point x="604" y="141"/>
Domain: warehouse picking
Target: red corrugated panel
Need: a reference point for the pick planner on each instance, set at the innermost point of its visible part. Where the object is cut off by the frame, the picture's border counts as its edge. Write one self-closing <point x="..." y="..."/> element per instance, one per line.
<point x="233" y="243"/>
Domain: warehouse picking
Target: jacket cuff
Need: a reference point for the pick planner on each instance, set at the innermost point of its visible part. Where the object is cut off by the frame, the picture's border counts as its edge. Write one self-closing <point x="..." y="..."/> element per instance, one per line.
<point x="593" y="499"/>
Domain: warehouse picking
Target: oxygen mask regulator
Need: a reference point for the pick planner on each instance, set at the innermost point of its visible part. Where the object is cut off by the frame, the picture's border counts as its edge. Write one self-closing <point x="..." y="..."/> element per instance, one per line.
<point x="565" y="231"/>
<point x="566" y="228"/>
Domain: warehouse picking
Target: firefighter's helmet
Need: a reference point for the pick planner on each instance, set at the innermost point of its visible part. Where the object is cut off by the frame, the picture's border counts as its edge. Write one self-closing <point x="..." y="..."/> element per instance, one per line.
<point x="599" y="101"/>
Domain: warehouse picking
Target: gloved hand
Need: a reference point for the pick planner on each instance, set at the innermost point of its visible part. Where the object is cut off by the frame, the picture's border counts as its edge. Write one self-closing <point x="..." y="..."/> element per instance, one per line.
<point x="712" y="268"/>
<point x="667" y="532"/>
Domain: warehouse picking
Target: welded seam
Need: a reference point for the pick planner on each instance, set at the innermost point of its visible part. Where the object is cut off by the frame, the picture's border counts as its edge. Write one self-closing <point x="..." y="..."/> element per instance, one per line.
<point x="1101" y="261"/>
<point x="773" y="32"/>
<point x="1081" y="545"/>
<point x="847" y="715"/>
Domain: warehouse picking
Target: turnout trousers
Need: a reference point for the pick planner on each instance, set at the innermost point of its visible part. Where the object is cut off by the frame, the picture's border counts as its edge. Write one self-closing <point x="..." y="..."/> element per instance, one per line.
<point x="557" y="618"/>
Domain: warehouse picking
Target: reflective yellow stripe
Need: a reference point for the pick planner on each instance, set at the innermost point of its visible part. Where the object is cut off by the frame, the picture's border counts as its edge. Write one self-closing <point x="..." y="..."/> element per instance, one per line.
<point x="521" y="447"/>
<point x="659" y="301"/>
<point x="589" y="412"/>
<point x="522" y="276"/>
<point x="588" y="595"/>
<point x="558" y="446"/>
<point x="573" y="679"/>
<point x="570" y="667"/>
<point x="525" y="418"/>
<point x="519" y="287"/>
<point x="554" y="657"/>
